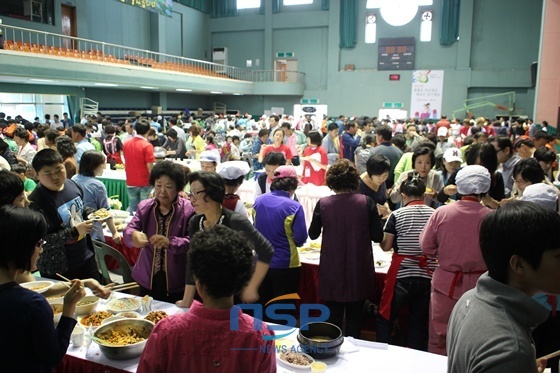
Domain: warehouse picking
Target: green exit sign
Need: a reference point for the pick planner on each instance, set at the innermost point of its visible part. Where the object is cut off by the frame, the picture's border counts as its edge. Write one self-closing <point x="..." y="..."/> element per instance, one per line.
<point x="285" y="54"/>
<point x="307" y="101"/>
<point x="393" y="105"/>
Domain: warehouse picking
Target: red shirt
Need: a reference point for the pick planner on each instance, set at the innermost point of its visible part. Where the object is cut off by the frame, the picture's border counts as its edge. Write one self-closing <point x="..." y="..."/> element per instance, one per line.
<point x="201" y="341"/>
<point x="284" y="149"/>
<point x="138" y="152"/>
<point x="310" y="175"/>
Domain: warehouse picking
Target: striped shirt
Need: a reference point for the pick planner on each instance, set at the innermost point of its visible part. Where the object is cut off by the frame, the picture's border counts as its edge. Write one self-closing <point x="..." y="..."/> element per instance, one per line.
<point x="406" y="224"/>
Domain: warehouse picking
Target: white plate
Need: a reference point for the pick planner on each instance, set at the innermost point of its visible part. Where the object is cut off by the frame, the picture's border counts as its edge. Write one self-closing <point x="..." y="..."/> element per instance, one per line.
<point x="94" y="218"/>
<point x="123" y="305"/>
<point x="295" y="366"/>
<point x="38" y="286"/>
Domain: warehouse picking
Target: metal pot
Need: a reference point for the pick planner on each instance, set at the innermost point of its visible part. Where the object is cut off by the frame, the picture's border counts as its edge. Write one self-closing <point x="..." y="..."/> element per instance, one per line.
<point x="160" y="152"/>
<point x="144" y="328"/>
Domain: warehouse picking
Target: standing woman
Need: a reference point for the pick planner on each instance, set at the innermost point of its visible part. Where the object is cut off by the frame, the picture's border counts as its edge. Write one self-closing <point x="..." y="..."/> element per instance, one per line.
<point x="65" y="146"/>
<point x="277" y="146"/>
<point x="198" y="145"/>
<point x="160" y="229"/>
<point x="30" y="342"/>
<point x="95" y="193"/>
<point x="362" y="153"/>
<point x="315" y="160"/>
<point x="112" y="145"/>
<point x="281" y="221"/>
<point x="207" y="195"/>
<point x="349" y="222"/>
<point x="372" y="181"/>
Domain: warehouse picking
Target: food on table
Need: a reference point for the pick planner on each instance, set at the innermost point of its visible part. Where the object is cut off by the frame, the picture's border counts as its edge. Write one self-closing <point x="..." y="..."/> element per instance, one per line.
<point x="119" y="166"/>
<point x="38" y="287"/>
<point x="86" y="302"/>
<point x="129" y="315"/>
<point x="101" y="214"/>
<point x="313" y="247"/>
<point x="122" y="336"/>
<point x="124" y="304"/>
<point x="156" y="316"/>
<point x="296" y="358"/>
<point x="56" y="297"/>
<point x="95" y="318"/>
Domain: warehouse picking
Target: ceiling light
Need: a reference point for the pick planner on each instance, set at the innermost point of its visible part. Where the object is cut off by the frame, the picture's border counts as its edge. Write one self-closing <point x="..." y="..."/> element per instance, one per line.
<point x="183" y="90"/>
<point x="216" y="93"/>
<point x="149" y="87"/>
<point x="238" y="94"/>
<point x="42" y="80"/>
<point x="106" y="84"/>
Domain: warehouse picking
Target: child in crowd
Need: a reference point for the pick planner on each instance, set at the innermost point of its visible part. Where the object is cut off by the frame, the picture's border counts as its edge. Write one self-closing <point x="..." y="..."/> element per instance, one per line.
<point x="201" y="340"/>
<point x="490" y="327"/>
<point x="28" y="184"/>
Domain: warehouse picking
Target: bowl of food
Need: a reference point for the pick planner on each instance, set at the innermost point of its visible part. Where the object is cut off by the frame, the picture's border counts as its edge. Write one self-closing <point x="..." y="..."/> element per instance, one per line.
<point x="156" y="316"/>
<point x="37" y="286"/>
<point x="130" y="315"/>
<point x="56" y="299"/>
<point x="87" y="305"/>
<point x="123" y="305"/>
<point x="57" y="312"/>
<point x="94" y="319"/>
<point x="296" y="360"/>
<point x="320" y="339"/>
<point x="112" y="318"/>
<point x="123" y="339"/>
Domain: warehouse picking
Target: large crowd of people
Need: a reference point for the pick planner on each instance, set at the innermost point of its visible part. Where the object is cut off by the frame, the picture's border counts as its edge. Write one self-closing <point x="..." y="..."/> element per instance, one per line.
<point x="453" y="200"/>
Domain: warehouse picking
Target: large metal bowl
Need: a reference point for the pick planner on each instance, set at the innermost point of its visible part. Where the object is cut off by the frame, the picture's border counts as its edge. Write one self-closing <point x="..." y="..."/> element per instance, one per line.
<point x="125" y="352"/>
<point x="160" y="152"/>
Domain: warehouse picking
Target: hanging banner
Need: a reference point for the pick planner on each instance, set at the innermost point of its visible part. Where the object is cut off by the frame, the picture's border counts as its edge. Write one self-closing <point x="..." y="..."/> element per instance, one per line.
<point x="164" y="7"/>
<point x="427" y="94"/>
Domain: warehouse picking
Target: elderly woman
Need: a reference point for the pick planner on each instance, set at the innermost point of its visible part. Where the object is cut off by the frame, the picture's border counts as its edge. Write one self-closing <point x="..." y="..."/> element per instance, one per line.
<point x="423" y="160"/>
<point x="160" y="229"/>
<point x="451" y="236"/>
<point x="207" y="195"/>
<point x="95" y="193"/>
<point x="349" y="222"/>
<point x="26" y="152"/>
<point x="281" y="220"/>
<point x="41" y="350"/>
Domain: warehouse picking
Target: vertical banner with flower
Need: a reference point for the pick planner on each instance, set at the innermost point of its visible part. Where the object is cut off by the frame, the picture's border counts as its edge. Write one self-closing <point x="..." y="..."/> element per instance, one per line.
<point x="427" y="94"/>
<point x="164" y="7"/>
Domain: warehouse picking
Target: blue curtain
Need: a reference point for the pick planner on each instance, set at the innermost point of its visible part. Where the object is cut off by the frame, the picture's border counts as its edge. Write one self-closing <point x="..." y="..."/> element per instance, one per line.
<point x="348" y="23"/>
<point x="201" y="5"/>
<point x="326" y="5"/>
<point x="449" y="28"/>
<point x="275" y="6"/>
<point x="223" y="8"/>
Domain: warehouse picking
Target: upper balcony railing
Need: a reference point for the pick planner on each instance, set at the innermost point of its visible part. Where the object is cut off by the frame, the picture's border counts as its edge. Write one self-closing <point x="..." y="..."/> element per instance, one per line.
<point x="41" y="42"/>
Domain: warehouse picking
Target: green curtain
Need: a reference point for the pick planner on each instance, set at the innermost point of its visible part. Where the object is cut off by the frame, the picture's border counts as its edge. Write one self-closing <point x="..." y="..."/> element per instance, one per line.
<point x="449" y="28"/>
<point x="275" y="6"/>
<point x="348" y="23"/>
<point x="326" y="5"/>
<point x="201" y="5"/>
<point x="223" y="8"/>
<point x="74" y="108"/>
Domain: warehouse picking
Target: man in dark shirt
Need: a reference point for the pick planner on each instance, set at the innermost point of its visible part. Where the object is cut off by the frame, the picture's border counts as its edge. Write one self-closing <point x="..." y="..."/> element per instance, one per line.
<point x="384" y="135"/>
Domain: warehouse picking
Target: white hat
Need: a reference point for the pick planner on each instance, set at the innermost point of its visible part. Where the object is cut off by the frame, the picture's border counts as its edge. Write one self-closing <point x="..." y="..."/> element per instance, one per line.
<point x="473" y="180"/>
<point x="159" y="117"/>
<point x="209" y="156"/>
<point x="442" y="131"/>
<point x="542" y="194"/>
<point x="453" y="155"/>
<point x="233" y="169"/>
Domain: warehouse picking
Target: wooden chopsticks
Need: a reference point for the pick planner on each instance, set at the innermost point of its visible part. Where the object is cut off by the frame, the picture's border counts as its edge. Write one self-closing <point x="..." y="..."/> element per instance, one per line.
<point x="549" y="356"/>
<point x="121" y="287"/>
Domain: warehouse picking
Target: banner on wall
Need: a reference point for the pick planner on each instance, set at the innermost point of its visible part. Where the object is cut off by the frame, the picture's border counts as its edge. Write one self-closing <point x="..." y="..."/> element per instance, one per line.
<point x="164" y="7"/>
<point x="427" y="94"/>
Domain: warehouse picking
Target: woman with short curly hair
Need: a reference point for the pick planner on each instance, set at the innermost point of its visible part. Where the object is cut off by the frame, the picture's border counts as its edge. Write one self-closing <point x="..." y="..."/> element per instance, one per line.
<point x="349" y="222"/>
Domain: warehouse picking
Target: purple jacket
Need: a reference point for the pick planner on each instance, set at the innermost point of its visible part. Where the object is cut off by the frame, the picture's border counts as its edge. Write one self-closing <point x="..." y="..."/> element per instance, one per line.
<point x="176" y="254"/>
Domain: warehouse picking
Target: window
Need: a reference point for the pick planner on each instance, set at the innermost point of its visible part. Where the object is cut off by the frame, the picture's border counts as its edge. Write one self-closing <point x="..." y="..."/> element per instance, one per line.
<point x="248" y="4"/>
<point x="371" y="28"/>
<point x="297" y="2"/>
<point x="426" y="26"/>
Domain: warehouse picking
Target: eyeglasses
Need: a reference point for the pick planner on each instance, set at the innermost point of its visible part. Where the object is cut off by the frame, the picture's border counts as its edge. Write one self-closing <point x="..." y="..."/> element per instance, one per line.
<point x="40" y="243"/>
<point x="194" y="195"/>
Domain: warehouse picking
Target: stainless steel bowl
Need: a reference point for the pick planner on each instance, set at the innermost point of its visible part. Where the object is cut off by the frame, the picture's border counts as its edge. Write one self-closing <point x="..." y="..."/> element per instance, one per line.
<point x="160" y="152"/>
<point x="144" y="327"/>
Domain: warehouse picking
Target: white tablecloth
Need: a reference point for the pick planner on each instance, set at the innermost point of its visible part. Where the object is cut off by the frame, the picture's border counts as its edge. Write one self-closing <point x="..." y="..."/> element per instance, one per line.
<point x="355" y="356"/>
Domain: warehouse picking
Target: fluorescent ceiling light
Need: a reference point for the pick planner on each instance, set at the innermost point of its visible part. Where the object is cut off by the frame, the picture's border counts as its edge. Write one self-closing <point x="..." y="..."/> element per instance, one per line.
<point x="216" y="93"/>
<point x="42" y="80"/>
<point x="238" y="94"/>
<point x="183" y="90"/>
<point x="106" y="84"/>
<point x="149" y="87"/>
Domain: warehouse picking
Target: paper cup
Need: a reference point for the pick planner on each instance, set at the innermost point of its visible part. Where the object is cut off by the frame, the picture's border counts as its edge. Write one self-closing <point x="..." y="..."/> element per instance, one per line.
<point x="77" y="337"/>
